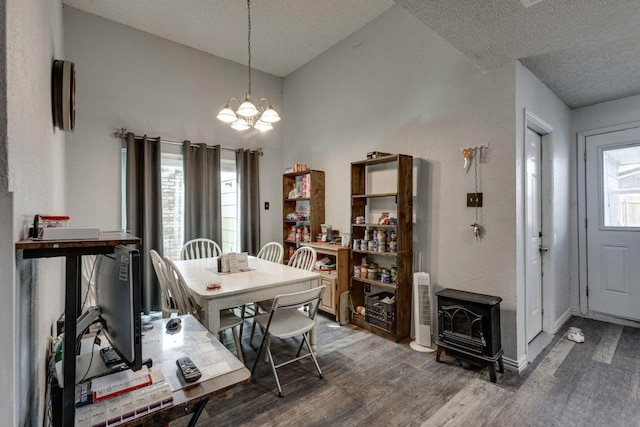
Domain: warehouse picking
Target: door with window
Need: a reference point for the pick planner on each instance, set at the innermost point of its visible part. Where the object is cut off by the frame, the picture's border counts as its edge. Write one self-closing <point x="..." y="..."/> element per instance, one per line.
<point x="612" y="178"/>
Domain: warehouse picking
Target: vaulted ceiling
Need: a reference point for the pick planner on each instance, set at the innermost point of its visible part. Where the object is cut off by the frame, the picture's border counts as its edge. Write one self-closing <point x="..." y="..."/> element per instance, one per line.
<point x="586" y="51"/>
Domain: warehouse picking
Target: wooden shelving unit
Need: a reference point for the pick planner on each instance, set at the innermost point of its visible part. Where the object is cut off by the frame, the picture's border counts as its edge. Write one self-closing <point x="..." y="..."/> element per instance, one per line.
<point x="337" y="280"/>
<point x="363" y="196"/>
<point x="310" y="189"/>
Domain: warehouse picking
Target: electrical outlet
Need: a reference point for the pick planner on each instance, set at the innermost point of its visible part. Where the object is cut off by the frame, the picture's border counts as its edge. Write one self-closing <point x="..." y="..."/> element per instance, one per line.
<point x="266" y="206"/>
<point x="474" y="200"/>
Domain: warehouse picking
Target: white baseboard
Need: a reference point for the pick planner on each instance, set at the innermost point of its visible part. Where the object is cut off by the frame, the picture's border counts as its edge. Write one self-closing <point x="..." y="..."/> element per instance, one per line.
<point x="563" y="319"/>
<point x="515" y="366"/>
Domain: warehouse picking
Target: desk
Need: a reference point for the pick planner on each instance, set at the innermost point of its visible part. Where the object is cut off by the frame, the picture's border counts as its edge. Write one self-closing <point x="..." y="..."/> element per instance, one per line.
<point x="72" y="250"/>
<point x="221" y="370"/>
<point x="266" y="280"/>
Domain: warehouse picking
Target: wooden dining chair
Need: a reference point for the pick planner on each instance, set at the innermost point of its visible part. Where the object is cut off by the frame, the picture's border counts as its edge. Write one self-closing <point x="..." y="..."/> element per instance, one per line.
<point x="88" y="280"/>
<point x="304" y="258"/>
<point x="200" y="248"/>
<point x="185" y="303"/>
<point x="188" y="305"/>
<point x="285" y="320"/>
<point x="169" y="301"/>
<point x="272" y="251"/>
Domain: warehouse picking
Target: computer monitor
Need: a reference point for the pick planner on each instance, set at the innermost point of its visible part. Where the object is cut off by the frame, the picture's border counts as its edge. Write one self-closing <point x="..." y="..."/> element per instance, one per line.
<point x="117" y="290"/>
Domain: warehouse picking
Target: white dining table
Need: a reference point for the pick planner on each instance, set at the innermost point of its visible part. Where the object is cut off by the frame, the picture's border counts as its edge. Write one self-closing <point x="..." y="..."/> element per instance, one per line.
<point x="264" y="280"/>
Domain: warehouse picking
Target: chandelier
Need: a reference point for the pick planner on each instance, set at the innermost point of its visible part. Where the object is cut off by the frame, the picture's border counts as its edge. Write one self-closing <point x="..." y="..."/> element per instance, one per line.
<point x="248" y="115"/>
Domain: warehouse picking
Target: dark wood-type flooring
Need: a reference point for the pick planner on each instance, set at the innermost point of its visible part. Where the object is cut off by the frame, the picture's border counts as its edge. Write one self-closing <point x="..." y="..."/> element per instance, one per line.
<point x="374" y="382"/>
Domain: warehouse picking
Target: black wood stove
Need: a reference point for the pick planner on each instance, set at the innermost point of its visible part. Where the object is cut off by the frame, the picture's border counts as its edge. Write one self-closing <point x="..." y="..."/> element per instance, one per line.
<point x="469" y="328"/>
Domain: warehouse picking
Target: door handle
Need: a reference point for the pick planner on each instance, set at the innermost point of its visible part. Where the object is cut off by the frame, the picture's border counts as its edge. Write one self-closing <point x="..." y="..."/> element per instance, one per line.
<point x="543" y="249"/>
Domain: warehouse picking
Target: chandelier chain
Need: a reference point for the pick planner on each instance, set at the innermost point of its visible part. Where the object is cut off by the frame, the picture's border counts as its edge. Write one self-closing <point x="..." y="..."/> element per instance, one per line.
<point x="248" y="115"/>
<point x="249" y="41"/>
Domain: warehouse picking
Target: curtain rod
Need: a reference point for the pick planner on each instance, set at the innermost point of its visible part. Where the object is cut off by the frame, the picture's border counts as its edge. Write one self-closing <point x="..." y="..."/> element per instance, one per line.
<point x="122" y="133"/>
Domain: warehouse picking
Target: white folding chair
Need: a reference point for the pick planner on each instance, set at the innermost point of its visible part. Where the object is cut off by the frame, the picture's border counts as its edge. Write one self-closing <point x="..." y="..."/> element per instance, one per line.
<point x="274" y="252"/>
<point x="188" y="305"/>
<point x="285" y="320"/>
<point x="200" y="248"/>
<point x="304" y="258"/>
<point x="169" y="303"/>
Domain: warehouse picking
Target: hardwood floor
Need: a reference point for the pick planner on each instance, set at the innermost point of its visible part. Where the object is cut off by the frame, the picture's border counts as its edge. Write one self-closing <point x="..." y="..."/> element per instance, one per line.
<point x="371" y="381"/>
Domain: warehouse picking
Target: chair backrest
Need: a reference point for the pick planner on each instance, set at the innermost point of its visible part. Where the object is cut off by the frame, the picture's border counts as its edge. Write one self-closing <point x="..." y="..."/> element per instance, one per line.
<point x="200" y="248"/>
<point x="272" y="251"/>
<point x="310" y="297"/>
<point x="169" y="300"/>
<point x="185" y="302"/>
<point x="88" y="279"/>
<point x="304" y="258"/>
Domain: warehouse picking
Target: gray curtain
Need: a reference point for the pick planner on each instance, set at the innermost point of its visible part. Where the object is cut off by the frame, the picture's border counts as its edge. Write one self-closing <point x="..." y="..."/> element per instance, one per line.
<point x="203" y="212"/>
<point x="144" y="209"/>
<point x="249" y="187"/>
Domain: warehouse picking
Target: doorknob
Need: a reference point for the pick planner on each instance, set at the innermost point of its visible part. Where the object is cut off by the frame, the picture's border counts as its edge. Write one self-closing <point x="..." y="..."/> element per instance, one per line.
<point x="543" y="249"/>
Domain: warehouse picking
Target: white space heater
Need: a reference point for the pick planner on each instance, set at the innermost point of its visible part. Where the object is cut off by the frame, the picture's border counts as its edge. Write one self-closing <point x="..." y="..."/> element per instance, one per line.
<point x="422" y="312"/>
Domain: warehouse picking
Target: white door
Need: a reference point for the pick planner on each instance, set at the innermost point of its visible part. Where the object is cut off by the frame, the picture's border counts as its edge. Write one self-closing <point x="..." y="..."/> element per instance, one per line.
<point x="533" y="234"/>
<point x="613" y="222"/>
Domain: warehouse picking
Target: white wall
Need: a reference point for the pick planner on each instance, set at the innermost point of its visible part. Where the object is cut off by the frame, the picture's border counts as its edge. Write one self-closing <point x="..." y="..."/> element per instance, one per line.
<point x="536" y="98"/>
<point x="625" y="110"/>
<point x="396" y="86"/>
<point x="129" y="78"/>
<point x="7" y="258"/>
<point x="36" y="178"/>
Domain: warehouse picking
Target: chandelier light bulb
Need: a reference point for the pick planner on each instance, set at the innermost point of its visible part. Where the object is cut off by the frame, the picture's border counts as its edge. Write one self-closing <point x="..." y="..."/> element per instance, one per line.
<point x="247" y="109"/>
<point x="240" y="124"/>
<point x="227" y="115"/>
<point x="263" y="126"/>
<point x="270" y="115"/>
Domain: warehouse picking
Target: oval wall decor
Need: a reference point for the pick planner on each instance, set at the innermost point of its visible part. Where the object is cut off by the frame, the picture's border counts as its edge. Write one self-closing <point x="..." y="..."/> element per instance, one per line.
<point x="63" y="95"/>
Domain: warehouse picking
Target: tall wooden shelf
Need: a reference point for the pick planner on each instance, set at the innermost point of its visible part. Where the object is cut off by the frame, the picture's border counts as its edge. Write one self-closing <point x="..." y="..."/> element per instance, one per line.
<point x="363" y="196"/>
<point x="310" y="201"/>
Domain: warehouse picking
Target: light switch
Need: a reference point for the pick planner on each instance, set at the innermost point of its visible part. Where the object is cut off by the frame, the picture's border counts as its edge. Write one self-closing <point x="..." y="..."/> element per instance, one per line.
<point x="474" y="200"/>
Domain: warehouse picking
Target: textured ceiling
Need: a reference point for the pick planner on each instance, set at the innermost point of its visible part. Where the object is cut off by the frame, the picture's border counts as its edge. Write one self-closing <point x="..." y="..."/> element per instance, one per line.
<point x="586" y="51"/>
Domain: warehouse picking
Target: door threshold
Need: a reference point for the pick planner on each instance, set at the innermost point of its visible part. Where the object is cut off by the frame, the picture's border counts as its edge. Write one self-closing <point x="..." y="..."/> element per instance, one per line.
<point x="539" y="343"/>
<point x="611" y="319"/>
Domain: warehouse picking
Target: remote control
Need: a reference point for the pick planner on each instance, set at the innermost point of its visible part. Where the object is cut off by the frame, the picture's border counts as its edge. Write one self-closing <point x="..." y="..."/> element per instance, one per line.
<point x="189" y="370"/>
<point x="110" y="356"/>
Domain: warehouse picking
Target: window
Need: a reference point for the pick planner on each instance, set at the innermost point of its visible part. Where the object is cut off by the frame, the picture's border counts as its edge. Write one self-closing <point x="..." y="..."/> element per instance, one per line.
<point x="229" y="192"/>
<point x="172" y="176"/>
<point x="621" y="186"/>
<point x="172" y="182"/>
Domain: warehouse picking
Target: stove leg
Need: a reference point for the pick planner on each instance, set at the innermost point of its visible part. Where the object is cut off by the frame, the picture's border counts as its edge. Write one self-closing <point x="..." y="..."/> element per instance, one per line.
<point x="438" y="354"/>
<point x="492" y="372"/>
<point x="500" y="365"/>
